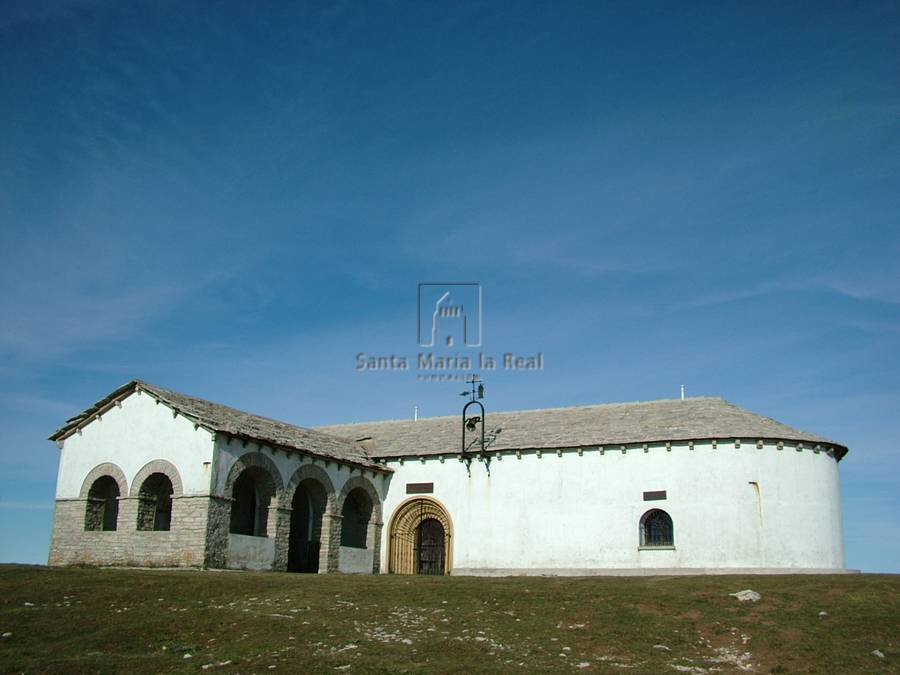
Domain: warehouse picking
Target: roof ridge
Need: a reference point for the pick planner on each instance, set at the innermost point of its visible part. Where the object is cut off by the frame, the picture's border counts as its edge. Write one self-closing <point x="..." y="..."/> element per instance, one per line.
<point x="157" y="389"/>
<point x="526" y="411"/>
<point x="219" y="417"/>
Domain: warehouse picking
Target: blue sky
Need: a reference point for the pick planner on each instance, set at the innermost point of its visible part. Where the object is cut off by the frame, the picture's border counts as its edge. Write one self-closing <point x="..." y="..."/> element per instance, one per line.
<point x="235" y="203"/>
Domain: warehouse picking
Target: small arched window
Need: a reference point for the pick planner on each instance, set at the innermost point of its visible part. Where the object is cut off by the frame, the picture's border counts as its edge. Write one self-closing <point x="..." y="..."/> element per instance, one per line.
<point x="155" y="503"/>
<point x="102" y="512"/>
<point x="657" y="529"/>
<point x="356" y="514"/>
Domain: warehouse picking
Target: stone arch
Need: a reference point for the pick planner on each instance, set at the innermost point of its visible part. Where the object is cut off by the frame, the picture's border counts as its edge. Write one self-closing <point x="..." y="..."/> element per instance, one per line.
<point x="354" y="486"/>
<point x="157" y="466"/>
<point x="405" y="522"/>
<point x="363" y="483"/>
<point x="309" y="497"/>
<point x="254" y="460"/>
<point x="307" y="472"/>
<point x="105" y="469"/>
<point x="253" y="487"/>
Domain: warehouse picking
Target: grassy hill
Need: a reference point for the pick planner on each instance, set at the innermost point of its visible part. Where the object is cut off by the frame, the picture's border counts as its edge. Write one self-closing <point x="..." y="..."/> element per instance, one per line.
<point x="147" y="621"/>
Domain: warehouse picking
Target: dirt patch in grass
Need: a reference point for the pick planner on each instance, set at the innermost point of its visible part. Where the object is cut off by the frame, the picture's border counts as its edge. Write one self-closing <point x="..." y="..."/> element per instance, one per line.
<point x="80" y="620"/>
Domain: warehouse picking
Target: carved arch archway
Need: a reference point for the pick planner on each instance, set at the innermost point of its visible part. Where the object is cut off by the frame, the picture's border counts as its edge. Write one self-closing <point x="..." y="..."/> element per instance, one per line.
<point x="402" y="540"/>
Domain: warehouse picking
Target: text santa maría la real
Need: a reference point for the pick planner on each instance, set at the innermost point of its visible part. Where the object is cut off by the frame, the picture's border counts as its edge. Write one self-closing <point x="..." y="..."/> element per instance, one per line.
<point x="426" y="361"/>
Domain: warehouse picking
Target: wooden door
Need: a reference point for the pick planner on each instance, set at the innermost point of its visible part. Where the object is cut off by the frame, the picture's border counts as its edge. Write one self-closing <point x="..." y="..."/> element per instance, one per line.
<point x="430" y="547"/>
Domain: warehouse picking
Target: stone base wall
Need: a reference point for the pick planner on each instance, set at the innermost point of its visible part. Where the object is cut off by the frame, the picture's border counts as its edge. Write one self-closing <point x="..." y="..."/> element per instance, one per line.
<point x="182" y="546"/>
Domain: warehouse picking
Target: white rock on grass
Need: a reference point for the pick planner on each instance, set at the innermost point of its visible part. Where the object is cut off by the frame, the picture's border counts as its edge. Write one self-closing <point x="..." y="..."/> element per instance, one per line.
<point x="745" y="595"/>
<point x="7" y="634"/>
<point x="878" y="653"/>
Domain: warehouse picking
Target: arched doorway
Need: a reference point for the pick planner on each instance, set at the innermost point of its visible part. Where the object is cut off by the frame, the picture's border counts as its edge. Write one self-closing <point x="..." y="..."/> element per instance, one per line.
<point x="421" y="537"/>
<point x="307" y="509"/>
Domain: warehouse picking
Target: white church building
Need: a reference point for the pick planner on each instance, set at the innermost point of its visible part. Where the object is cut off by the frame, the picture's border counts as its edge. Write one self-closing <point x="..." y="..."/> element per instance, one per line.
<point x="152" y="477"/>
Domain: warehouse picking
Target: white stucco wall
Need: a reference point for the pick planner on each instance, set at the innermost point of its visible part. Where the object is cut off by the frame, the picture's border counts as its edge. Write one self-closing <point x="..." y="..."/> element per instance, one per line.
<point x="132" y="435"/>
<point x="583" y="512"/>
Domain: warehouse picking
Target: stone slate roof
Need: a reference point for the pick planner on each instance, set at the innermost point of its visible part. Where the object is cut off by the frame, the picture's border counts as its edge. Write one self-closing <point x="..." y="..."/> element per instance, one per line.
<point x="222" y="418"/>
<point x="612" y="424"/>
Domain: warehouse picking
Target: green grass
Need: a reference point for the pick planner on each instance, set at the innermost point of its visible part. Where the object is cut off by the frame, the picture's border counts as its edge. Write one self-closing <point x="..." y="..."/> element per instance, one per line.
<point x="73" y="620"/>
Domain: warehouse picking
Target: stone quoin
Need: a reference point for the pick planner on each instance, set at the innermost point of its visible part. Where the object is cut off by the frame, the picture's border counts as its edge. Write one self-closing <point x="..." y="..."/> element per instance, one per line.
<point x="152" y="477"/>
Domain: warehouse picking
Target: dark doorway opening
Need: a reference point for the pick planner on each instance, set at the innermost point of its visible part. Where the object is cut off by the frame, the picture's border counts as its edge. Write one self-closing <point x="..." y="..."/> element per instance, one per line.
<point x="430" y="547"/>
<point x="307" y="509"/>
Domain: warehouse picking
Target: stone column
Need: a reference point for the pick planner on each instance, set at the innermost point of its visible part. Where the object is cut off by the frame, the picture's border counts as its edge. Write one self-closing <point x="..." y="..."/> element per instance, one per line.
<point x="218" y="521"/>
<point x="330" y="543"/>
<point x="282" y="537"/>
<point x="128" y="514"/>
<point x="374" y="543"/>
